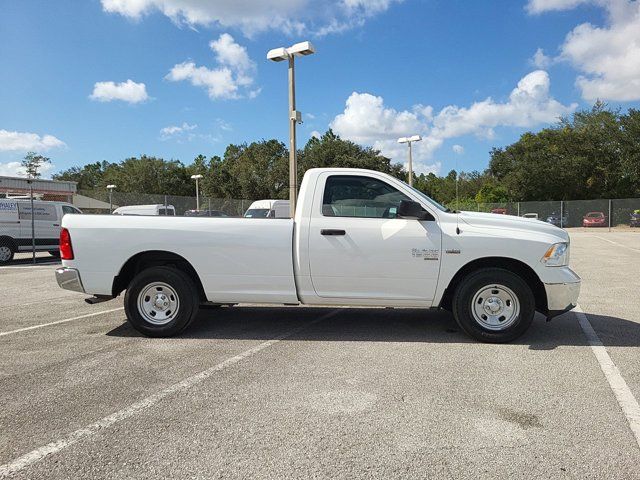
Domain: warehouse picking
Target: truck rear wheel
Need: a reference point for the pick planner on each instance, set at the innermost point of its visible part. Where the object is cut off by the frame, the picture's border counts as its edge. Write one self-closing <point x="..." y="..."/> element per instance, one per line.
<point x="494" y="305"/>
<point x="161" y="301"/>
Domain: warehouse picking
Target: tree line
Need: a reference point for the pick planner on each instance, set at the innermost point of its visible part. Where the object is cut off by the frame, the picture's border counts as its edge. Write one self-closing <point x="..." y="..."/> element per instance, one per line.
<point x="593" y="153"/>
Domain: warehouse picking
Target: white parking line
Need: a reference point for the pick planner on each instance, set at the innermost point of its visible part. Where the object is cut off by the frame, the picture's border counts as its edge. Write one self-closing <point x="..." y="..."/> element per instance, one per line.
<point x="623" y="394"/>
<point x="618" y="244"/>
<point x="57" y="322"/>
<point x="39" y="453"/>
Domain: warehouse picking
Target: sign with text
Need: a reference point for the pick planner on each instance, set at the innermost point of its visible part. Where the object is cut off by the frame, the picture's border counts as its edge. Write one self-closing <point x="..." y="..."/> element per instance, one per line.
<point x="8" y="211"/>
<point x="42" y="211"/>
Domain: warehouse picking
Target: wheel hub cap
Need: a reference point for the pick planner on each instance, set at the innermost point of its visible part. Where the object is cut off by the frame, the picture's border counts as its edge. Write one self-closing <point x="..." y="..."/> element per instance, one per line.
<point x="495" y="307"/>
<point x="158" y="303"/>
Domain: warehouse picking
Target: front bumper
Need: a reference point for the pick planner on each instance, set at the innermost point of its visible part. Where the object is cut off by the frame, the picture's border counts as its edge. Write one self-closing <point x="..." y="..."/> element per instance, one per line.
<point x="69" y="279"/>
<point x="561" y="297"/>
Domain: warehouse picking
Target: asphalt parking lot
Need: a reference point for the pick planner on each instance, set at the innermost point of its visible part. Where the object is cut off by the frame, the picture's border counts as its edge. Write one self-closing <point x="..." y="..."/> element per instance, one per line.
<point x="272" y="392"/>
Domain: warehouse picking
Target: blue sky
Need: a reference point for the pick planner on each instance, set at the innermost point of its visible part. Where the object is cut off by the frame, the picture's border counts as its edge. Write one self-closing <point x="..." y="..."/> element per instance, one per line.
<point x="108" y="79"/>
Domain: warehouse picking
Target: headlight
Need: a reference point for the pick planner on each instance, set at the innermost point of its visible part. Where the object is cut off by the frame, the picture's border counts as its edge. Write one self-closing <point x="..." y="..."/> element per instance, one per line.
<point x="557" y="255"/>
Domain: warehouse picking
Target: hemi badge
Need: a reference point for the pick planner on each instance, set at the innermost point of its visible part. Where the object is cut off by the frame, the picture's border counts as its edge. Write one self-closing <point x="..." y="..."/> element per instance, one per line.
<point x="455" y="251"/>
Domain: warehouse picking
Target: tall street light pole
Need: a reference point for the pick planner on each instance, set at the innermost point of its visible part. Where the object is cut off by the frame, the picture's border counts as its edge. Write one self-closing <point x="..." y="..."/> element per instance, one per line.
<point x="196" y="178"/>
<point x="409" y="141"/>
<point x="295" y="117"/>
<point x="110" y="188"/>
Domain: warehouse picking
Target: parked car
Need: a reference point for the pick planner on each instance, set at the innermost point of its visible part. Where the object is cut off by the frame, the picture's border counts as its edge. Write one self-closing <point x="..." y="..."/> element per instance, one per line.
<point x="158" y="209"/>
<point x="555" y="219"/>
<point x="635" y="219"/>
<point x="205" y="213"/>
<point x="396" y="248"/>
<point x="530" y="215"/>
<point x="499" y="211"/>
<point x="15" y="226"/>
<point x="268" y="209"/>
<point x="594" y="219"/>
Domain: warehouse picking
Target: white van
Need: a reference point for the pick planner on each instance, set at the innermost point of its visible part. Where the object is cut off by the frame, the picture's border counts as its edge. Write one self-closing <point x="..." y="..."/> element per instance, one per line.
<point x="158" y="209"/>
<point x="15" y="226"/>
<point x="268" y="209"/>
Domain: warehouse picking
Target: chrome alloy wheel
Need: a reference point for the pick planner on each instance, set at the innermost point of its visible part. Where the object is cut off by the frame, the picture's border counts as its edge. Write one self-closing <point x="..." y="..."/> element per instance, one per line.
<point x="5" y="253"/>
<point x="158" y="303"/>
<point x="495" y="307"/>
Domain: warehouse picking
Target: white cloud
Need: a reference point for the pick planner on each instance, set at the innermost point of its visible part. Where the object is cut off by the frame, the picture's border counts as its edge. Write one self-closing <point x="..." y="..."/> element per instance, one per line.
<point x="229" y="80"/>
<point x="15" y="169"/>
<point x="128" y="91"/>
<point x="540" y="60"/>
<point x="293" y="17"/>
<point x="367" y="120"/>
<point x="175" y="130"/>
<point x="25" y="141"/>
<point x="315" y="134"/>
<point x="458" y="149"/>
<point x="541" y="6"/>
<point x="230" y="54"/>
<point x="222" y="125"/>
<point x="607" y="57"/>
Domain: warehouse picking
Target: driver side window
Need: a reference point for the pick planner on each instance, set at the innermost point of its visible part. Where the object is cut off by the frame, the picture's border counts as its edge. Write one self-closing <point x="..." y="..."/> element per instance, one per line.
<point x="359" y="196"/>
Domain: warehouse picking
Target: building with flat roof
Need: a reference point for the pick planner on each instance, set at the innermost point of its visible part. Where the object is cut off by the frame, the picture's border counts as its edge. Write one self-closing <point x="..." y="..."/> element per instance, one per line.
<point x="55" y="190"/>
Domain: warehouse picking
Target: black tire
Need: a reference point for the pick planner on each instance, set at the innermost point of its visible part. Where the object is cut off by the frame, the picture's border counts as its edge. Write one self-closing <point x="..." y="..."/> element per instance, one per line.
<point x="473" y="284"/>
<point x="54" y="253"/>
<point x="179" y="284"/>
<point x="7" y="250"/>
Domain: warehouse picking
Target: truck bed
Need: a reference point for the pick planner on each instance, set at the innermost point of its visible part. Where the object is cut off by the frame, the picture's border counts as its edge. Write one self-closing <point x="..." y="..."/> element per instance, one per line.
<point x="237" y="259"/>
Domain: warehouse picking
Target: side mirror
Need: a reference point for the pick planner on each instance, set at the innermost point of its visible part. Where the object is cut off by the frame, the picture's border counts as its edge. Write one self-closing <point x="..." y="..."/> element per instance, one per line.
<point x="411" y="209"/>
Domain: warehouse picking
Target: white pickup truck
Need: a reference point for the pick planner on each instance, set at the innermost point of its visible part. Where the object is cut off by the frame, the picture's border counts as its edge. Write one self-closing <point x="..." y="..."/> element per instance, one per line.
<point x="359" y="237"/>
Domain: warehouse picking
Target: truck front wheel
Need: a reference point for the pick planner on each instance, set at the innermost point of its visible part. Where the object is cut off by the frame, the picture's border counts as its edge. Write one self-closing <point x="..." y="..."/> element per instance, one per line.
<point x="494" y="305"/>
<point x="161" y="301"/>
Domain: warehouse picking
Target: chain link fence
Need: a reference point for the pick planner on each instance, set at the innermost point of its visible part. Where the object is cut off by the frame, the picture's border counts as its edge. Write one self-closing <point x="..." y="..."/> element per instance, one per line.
<point x="613" y="213"/>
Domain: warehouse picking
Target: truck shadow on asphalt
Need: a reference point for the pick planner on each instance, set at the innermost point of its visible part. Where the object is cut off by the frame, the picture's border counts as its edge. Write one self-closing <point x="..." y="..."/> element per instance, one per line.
<point x="385" y="325"/>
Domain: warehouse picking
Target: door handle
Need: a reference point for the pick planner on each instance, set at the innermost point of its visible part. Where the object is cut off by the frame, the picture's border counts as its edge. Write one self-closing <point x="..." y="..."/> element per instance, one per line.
<point x="331" y="231"/>
<point x="56" y="224"/>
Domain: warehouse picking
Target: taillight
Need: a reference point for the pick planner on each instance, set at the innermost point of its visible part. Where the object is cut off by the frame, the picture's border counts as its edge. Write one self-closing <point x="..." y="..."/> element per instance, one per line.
<point x="66" y="250"/>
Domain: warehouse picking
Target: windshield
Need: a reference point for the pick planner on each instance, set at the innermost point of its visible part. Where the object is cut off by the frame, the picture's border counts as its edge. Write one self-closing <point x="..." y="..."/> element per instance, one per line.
<point x="257" y="213"/>
<point x="428" y="199"/>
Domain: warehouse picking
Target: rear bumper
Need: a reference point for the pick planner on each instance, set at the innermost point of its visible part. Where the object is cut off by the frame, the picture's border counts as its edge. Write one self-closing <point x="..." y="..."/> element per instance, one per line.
<point x="561" y="297"/>
<point x="69" y="279"/>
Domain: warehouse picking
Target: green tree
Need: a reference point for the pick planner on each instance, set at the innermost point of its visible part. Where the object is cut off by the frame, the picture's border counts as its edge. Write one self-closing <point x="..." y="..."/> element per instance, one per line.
<point x="492" y="193"/>
<point x="332" y="151"/>
<point x="592" y="154"/>
<point x="32" y="163"/>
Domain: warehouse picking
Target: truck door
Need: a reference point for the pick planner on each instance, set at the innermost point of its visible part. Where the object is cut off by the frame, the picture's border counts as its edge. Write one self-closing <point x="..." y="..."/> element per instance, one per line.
<point x="359" y="249"/>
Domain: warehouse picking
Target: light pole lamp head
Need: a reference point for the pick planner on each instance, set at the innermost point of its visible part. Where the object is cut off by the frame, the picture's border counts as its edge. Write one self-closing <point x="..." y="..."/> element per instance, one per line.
<point x="301" y="49"/>
<point x="298" y="50"/>
<point x="196" y="177"/>
<point x="414" y="138"/>
<point x="111" y="187"/>
<point x="277" y="54"/>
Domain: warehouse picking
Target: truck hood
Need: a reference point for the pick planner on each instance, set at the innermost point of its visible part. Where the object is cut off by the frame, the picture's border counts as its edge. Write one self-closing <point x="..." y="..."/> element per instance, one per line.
<point x="510" y="222"/>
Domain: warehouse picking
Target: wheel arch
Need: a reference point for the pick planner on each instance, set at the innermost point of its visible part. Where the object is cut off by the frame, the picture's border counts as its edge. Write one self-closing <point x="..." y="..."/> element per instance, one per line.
<point x="154" y="258"/>
<point x="515" y="266"/>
